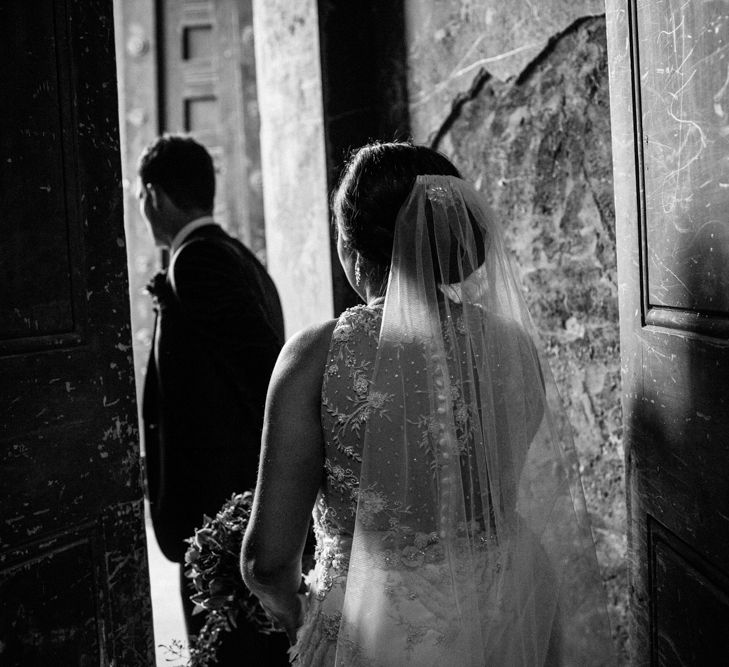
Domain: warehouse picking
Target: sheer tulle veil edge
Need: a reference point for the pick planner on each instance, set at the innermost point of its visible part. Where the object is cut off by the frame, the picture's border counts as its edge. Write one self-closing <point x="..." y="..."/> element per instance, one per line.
<point x="472" y="543"/>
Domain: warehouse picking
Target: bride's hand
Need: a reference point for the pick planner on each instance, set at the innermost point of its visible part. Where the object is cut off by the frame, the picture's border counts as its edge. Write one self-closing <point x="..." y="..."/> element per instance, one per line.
<point x="290" y="615"/>
<point x="297" y="618"/>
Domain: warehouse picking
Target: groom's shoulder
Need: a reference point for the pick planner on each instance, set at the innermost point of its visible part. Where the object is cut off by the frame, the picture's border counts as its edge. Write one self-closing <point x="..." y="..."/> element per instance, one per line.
<point x="212" y="241"/>
<point x="217" y="250"/>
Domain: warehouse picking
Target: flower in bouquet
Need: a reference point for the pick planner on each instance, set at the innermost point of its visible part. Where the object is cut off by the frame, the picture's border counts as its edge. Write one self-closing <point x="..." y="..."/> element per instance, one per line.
<point x="213" y="564"/>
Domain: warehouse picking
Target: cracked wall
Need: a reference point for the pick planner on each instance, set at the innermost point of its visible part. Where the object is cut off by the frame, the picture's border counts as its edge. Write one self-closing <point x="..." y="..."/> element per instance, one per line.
<point x="519" y="101"/>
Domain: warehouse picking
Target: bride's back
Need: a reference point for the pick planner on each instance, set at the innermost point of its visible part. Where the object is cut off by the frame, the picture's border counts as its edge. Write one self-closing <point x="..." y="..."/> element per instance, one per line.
<point x="349" y="406"/>
<point x="346" y="406"/>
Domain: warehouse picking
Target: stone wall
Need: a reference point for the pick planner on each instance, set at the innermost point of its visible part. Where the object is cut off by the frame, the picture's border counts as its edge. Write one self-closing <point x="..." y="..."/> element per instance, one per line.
<point x="532" y="129"/>
<point x="293" y="158"/>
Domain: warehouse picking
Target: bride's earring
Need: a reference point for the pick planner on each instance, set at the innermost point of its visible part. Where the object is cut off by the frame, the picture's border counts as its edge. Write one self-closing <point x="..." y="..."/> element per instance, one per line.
<point x="357" y="272"/>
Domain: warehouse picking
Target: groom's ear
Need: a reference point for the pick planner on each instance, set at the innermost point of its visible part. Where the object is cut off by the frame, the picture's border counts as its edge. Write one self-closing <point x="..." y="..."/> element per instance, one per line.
<point x="160" y="199"/>
<point x="153" y="194"/>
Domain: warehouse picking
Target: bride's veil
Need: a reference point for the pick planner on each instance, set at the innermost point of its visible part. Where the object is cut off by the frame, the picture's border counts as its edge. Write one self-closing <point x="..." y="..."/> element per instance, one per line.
<point x="472" y="544"/>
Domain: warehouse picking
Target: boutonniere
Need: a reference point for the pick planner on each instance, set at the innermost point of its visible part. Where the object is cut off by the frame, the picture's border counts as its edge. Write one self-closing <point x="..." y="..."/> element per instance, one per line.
<point x="158" y="288"/>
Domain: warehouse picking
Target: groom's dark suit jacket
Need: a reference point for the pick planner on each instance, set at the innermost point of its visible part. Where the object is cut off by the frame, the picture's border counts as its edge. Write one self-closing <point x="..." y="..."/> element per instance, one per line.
<point x="218" y="332"/>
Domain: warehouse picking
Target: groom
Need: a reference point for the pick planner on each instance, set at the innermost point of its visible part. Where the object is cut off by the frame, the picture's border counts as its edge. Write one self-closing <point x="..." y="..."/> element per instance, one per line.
<point x="218" y="332"/>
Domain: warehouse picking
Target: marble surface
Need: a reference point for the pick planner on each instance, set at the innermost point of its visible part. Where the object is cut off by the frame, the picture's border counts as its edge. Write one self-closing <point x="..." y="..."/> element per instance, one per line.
<point x="451" y="41"/>
<point x="293" y="159"/>
<point x="539" y="147"/>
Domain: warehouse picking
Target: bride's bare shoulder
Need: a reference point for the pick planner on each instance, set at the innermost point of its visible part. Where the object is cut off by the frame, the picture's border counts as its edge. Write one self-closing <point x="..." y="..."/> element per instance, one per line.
<point x="312" y="340"/>
<point x="305" y="353"/>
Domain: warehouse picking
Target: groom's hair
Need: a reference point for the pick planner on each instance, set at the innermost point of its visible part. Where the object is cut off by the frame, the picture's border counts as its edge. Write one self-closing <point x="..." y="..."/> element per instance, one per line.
<point x="182" y="168"/>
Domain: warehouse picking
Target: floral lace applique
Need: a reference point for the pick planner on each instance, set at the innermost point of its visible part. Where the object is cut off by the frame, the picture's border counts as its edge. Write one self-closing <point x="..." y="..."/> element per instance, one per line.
<point x="347" y="401"/>
<point x="371" y="503"/>
<point x="352" y="653"/>
<point x="330" y="626"/>
<point x="326" y="518"/>
<point x="415" y="635"/>
<point x="411" y="563"/>
<point x="340" y="479"/>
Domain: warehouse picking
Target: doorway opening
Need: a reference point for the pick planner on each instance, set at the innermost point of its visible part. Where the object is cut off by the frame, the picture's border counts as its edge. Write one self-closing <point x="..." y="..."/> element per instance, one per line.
<point x="185" y="67"/>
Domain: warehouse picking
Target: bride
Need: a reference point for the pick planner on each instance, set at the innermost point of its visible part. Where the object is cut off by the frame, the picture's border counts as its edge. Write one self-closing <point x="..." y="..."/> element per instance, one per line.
<point x="425" y="434"/>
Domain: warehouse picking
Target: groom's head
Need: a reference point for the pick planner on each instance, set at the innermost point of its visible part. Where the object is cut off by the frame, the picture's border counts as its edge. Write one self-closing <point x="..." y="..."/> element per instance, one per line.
<point x="176" y="185"/>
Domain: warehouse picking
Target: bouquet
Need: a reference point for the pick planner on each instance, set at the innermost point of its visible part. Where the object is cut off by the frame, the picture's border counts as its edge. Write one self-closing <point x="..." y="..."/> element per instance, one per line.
<point x="212" y="562"/>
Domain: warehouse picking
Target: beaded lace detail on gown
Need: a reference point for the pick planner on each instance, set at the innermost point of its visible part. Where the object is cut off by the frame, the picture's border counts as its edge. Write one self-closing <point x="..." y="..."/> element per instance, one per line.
<point x="451" y="525"/>
<point x="346" y="406"/>
<point x="412" y="566"/>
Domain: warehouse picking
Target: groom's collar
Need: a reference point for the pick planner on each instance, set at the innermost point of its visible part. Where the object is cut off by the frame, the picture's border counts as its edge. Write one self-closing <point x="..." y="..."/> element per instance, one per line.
<point x="188" y="229"/>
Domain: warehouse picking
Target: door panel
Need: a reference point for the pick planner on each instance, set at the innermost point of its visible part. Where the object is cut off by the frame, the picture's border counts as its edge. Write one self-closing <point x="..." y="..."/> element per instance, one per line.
<point x="73" y="573"/>
<point x="684" y="98"/>
<point x="207" y="67"/>
<point x="681" y="579"/>
<point x="36" y="167"/>
<point x="668" y="96"/>
<point x="69" y="632"/>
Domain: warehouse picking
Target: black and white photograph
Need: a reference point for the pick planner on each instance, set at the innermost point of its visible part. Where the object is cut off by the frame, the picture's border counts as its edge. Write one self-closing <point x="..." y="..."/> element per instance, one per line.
<point x="346" y="333"/>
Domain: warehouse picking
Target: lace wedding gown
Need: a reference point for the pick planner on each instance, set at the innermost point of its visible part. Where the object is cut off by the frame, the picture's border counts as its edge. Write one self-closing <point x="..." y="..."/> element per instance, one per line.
<point x="416" y="615"/>
<point x="451" y="525"/>
<point x="346" y="406"/>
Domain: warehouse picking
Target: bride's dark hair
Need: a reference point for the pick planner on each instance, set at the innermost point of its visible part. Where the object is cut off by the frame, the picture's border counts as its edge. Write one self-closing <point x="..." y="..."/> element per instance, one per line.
<point x="375" y="183"/>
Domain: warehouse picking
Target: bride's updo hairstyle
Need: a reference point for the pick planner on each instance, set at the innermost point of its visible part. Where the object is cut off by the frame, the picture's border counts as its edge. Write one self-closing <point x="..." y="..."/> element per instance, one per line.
<point x="375" y="184"/>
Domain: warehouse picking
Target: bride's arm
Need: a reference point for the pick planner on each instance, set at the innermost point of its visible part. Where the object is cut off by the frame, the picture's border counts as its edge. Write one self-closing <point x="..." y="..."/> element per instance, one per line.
<point x="289" y="476"/>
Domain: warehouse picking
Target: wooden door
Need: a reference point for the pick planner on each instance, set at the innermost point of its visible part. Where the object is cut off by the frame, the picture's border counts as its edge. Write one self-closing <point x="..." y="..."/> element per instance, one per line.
<point x="208" y="88"/>
<point x="669" y="87"/>
<point x="73" y="570"/>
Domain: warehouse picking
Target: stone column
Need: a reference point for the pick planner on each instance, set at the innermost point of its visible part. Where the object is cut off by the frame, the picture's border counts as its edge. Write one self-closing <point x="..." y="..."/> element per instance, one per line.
<point x="293" y="158"/>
